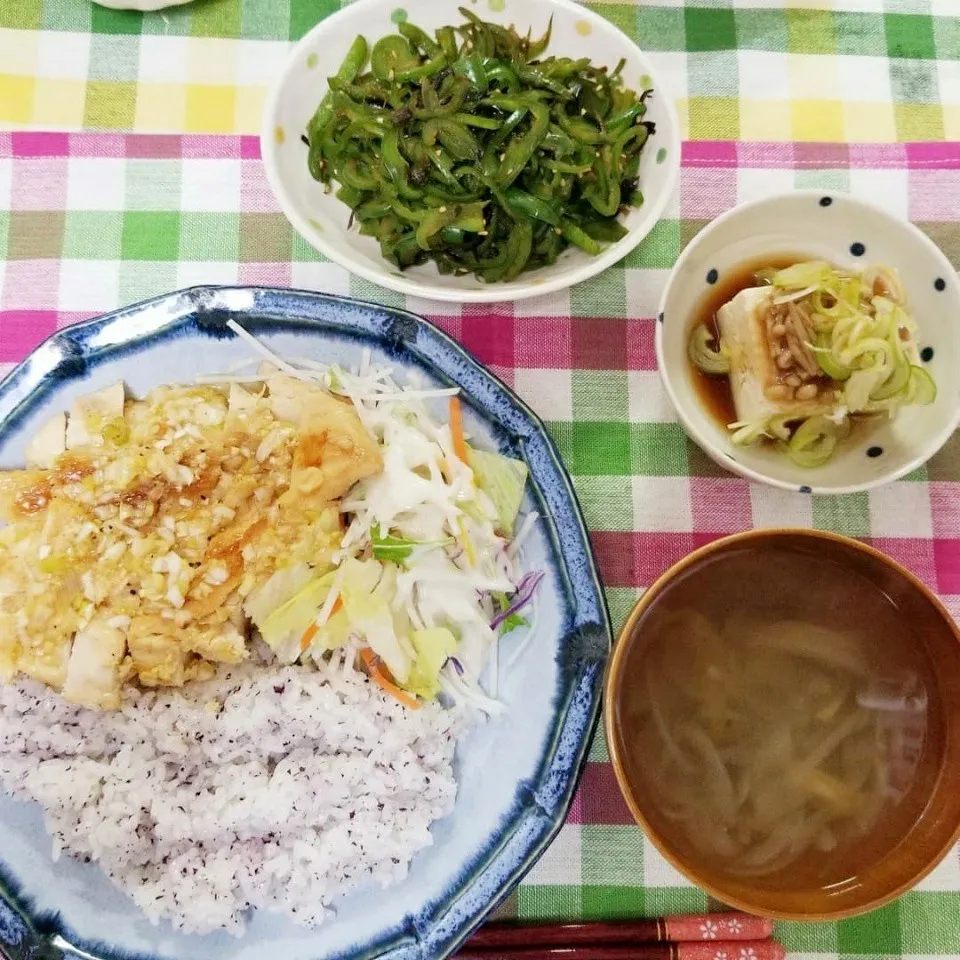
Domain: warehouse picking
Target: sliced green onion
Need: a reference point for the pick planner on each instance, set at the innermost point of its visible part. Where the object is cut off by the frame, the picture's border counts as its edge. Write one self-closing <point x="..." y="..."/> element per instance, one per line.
<point x="703" y="356"/>
<point x="923" y="390"/>
<point x="827" y="362"/>
<point x="747" y="432"/>
<point x="814" y="442"/>
<point x="897" y="383"/>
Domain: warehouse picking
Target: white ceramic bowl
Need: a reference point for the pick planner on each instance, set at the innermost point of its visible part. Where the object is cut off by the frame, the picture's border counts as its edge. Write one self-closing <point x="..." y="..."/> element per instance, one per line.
<point x="850" y="233"/>
<point x="322" y="220"/>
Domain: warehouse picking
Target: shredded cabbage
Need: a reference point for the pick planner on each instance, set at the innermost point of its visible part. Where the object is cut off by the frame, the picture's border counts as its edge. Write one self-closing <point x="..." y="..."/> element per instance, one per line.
<point x="426" y="565"/>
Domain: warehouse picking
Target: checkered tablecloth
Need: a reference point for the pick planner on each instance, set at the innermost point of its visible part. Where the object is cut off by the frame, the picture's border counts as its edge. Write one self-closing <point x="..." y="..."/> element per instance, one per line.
<point x="129" y="170"/>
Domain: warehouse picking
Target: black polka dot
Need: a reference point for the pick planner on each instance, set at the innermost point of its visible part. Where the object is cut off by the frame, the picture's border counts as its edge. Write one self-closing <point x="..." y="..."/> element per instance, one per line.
<point x="712" y="275"/>
<point x="926" y="354"/>
<point x="940" y="284"/>
<point x="874" y="451"/>
<point x="805" y="488"/>
<point x="858" y="249"/>
<point x="825" y="202"/>
<point x="660" y="317"/>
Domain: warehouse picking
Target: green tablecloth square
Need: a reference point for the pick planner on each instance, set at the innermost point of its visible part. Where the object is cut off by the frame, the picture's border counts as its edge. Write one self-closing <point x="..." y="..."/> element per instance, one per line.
<point x="700" y="465"/>
<point x="303" y="252"/>
<point x="153" y="235"/>
<point x="598" y="749"/>
<point x="4" y="233"/>
<point x="110" y="21"/>
<point x="604" y="295"/>
<point x="153" y="185"/>
<point x="172" y="22"/>
<point x="304" y="15"/>
<point x="612" y="855"/>
<point x="21" y="14"/>
<point x="658" y="450"/>
<point x="808" y="937"/>
<point x="929" y="922"/>
<point x="876" y="932"/>
<point x="548" y="902"/>
<point x="910" y="35"/>
<point x="113" y="57"/>
<point x="92" y="235"/>
<point x="140" y="281"/>
<point x="760" y="29"/>
<point x="710" y="29"/>
<point x="664" y="901"/>
<point x="810" y="31"/>
<point x="657" y="28"/>
<point x="713" y="73"/>
<point x="659" y="250"/>
<point x="613" y="903"/>
<point x="623" y="15"/>
<point x="822" y="179"/>
<point x="205" y="236"/>
<point x="264" y="18"/>
<point x="600" y="448"/>
<point x="66" y="16"/>
<point x="849" y="514"/>
<point x="606" y="502"/>
<point x="915" y="81"/>
<point x="215" y="18"/>
<point x="365" y="290"/>
<point x="600" y="394"/>
<point x="857" y="35"/>
<point x="946" y="33"/>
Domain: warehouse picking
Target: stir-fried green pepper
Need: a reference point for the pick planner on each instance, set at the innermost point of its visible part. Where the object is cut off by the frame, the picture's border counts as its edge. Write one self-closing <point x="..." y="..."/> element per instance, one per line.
<point x="471" y="149"/>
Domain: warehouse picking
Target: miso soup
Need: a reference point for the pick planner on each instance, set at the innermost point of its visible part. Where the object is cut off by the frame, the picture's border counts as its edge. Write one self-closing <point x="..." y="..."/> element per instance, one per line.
<point x="786" y="731"/>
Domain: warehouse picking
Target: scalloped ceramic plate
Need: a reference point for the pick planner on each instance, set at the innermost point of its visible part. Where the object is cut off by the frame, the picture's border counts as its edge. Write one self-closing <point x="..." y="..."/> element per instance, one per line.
<point x="819" y="224"/>
<point x="501" y="823"/>
<point x="323" y="221"/>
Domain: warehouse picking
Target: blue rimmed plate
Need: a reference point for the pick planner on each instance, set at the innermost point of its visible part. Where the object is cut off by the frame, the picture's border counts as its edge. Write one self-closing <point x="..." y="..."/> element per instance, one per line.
<point x="516" y="773"/>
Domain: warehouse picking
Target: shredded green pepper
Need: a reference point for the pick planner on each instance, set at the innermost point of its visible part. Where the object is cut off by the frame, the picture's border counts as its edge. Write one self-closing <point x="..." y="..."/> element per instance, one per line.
<point x="472" y="149"/>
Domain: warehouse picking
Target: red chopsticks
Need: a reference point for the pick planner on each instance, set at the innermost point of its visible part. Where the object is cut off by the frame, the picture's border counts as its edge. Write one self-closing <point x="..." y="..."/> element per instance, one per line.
<point x="711" y="936"/>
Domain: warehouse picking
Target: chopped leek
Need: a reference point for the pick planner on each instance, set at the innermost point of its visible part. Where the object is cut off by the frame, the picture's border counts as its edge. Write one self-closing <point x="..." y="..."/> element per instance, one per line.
<point x="813" y="442"/>
<point x="703" y="356"/>
<point x="923" y="390"/>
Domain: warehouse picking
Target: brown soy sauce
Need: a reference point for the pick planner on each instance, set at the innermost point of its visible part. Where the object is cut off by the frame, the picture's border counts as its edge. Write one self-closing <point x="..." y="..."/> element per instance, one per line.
<point x="714" y="390"/>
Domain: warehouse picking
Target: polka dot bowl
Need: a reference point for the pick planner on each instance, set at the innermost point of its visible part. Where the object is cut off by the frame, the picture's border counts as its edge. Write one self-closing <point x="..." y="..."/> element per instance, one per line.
<point x="323" y="221"/>
<point x="850" y="233"/>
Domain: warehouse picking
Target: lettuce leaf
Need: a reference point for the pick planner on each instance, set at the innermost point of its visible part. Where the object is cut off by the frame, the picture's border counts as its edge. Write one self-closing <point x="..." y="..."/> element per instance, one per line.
<point x="503" y="480"/>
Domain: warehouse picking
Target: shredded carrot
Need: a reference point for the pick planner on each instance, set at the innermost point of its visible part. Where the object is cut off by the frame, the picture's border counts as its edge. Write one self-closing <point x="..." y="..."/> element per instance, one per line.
<point x="456" y="428"/>
<point x="372" y="662"/>
<point x="311" y="631"/>
<point x="308" y="635"/>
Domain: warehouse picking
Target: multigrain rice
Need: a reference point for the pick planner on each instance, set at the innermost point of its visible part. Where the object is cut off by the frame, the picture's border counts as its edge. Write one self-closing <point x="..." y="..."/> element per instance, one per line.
<point x="269" y="787"/>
